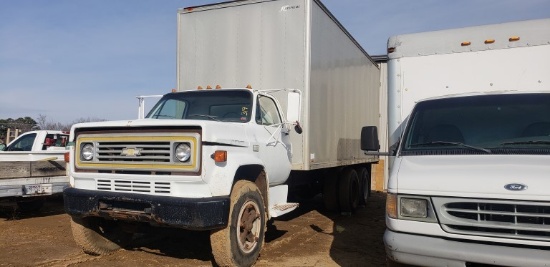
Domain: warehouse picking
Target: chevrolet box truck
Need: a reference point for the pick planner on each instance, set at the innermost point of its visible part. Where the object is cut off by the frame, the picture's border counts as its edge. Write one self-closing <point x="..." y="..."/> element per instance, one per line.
<point x="270" y="100"/>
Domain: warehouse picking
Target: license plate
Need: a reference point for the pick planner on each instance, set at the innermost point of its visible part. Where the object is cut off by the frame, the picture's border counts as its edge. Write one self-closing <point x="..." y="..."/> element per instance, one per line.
<point x="37" y="189"/>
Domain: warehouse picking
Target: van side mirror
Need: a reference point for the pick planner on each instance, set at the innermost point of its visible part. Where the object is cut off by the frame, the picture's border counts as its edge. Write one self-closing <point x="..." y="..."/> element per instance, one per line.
<point x="369" y="138"/>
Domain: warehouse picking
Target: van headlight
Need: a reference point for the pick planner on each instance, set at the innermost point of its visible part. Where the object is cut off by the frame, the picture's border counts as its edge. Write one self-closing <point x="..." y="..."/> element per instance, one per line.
<point x="414" y="207"/>
<point x="183" y="152"/>
<point x="87" y="152"/>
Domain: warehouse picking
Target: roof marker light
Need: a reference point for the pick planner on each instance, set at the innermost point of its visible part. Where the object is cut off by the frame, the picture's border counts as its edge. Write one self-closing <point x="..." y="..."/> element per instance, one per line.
<point x="513" y="38"/>
<point x="218" y="87"/>
<point x="199" y="87"/>
<point x="249" y="86"/>
<point x="465" y="43"/>
<point x="489" y="41"/>
<point x="208" y="87"/>
<point x="174" y="90"/>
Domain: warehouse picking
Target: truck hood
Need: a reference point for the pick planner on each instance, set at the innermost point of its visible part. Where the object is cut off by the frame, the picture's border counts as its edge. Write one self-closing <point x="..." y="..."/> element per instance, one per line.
<point x="480" y="176"/>
<point x="212" y="131"/>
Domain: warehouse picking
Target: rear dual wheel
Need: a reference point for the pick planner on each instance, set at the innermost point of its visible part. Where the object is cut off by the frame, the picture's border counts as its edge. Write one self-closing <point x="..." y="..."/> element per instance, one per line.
<point x="342" y="191"/>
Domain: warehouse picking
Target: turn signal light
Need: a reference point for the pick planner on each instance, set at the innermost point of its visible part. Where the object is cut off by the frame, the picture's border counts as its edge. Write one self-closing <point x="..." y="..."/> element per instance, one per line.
<point x="391" y="205"/>
<point x="220" y="156"/>
<point x="66" y="157"/>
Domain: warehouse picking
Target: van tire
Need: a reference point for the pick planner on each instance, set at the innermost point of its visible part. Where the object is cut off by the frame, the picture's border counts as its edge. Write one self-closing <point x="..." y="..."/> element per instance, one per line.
<point x="97" y="236"/>
<point x="240" y="243"/>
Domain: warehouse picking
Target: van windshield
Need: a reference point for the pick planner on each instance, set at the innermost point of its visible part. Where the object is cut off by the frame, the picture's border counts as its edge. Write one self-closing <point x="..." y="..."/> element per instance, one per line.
<point x="483" y="124"/>
<point x="216" y="105"/>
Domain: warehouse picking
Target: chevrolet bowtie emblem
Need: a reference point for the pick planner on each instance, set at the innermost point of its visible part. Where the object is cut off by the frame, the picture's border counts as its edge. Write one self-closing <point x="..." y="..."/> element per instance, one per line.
<point x="131" y="152"/>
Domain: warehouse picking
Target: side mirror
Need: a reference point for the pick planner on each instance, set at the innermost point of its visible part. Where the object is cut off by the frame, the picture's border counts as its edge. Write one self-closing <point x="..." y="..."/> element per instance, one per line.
<point x="369" y="139"/>
<point x="294" y="106"/>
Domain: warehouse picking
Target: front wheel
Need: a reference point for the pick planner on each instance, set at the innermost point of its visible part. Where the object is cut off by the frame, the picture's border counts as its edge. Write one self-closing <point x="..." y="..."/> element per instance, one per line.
<point x="239" y="244"/>
<point x="97" y="236"/>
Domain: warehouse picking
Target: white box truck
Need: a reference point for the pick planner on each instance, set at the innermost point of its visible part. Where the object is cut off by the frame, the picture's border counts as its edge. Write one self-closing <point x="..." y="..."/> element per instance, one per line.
<point x="469" y="114"/>
<point x="270" y="102"/>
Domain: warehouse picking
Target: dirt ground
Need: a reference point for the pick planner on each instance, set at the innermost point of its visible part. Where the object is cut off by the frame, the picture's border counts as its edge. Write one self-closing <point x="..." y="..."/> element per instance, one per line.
<point x="306" y="237"/>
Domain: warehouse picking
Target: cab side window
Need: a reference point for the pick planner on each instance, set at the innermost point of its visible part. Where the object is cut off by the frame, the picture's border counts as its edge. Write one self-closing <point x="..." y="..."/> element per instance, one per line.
<point x="266" y="112"/>
<point x="23" y="144"/>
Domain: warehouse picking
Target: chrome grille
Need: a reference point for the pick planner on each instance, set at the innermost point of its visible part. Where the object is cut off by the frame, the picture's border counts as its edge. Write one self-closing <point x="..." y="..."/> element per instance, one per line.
<point x="133" y="186"/>
<point x="123" y="152"/>
<point x="507" y="219"/>
<point x="138" y="153"/>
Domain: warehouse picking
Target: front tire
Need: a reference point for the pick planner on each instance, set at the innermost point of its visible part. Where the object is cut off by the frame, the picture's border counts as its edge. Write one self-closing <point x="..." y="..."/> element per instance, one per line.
<point x="364" y="183"/>
<point x="97" y="236"/>
<point x="240" y="243"/>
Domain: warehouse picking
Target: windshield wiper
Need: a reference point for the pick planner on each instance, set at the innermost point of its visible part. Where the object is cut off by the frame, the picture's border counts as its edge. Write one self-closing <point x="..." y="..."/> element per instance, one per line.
<point x="534" y="142"/>
<point x="214" y="118"/>
<point x="454" y="144"/>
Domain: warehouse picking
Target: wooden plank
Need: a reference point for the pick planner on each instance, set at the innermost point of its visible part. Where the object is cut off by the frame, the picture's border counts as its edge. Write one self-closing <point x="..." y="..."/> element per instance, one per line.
<point x="15" y="169"/>
<point x="47" y="168"/>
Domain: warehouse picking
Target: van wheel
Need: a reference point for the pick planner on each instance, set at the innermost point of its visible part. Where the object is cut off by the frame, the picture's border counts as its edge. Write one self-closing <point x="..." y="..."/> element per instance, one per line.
<point x="240" y="243"/>
<point x="97" y="236"/>
<point x="364" y="185"/>
<point x="330" y="192"/>
<point x="349" y="190"/>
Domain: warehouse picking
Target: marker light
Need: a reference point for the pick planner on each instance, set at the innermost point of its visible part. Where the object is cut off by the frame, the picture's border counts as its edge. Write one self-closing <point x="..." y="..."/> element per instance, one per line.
<point x="199" y="87"/>
<point x="218" y="87"/>
<point x="220" y="156"/>
<point x="513" y="39"/>
<point x="465" y="43"/>
<point x="249" y="86"/>
<point x="208" y="87"/>
<point x="391" y="50"/>
<point x="489" y="41"/>
<point x="66" y="157"/>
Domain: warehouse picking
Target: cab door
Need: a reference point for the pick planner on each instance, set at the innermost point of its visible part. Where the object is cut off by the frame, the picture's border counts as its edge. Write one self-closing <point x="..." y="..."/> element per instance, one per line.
<point x="271" y="142"/>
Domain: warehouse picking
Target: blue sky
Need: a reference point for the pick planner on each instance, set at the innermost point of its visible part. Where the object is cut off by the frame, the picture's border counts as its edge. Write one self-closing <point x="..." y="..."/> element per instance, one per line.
<point x="73" y="59"/>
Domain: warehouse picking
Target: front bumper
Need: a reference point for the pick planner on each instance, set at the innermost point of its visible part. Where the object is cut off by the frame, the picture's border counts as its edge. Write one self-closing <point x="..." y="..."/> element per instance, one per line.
<point x="188" y="213"/>
<point x="433" y="251"/>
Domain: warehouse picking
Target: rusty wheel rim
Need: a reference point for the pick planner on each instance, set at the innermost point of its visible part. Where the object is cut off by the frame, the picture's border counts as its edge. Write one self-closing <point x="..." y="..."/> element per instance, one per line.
<point x="248" y="230"/>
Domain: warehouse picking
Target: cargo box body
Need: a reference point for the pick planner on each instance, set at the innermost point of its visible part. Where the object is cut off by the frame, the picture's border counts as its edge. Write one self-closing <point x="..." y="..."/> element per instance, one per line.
<point x="292" y="44"/>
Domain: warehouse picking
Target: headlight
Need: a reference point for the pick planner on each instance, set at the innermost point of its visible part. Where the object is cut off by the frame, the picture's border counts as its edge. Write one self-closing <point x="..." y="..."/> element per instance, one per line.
<point x="87" y="152"/>
<point x="183" y="152"/>
<point x="414" y="207"/>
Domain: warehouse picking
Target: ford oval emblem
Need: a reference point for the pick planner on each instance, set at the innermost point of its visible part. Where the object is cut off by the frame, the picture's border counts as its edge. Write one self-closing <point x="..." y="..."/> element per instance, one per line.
<point x="515" y="187"/>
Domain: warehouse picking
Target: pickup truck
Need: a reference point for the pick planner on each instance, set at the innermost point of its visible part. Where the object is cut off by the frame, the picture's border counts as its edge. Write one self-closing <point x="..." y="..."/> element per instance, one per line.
<point x="33" y="168"/>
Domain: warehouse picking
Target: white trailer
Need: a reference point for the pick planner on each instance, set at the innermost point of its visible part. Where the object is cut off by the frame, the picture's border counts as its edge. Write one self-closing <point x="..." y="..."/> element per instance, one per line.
<point x="469" y="120"/>
<point x="220" y="154"/>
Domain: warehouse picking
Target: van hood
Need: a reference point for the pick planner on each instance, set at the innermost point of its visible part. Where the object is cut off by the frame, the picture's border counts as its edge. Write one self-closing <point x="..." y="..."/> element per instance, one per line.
<point x="211" y="131"/>
<point x="525" y="177"/>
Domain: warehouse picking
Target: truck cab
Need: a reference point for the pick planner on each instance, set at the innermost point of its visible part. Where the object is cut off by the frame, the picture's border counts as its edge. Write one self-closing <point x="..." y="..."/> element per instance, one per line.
<point x="205" y="159"/>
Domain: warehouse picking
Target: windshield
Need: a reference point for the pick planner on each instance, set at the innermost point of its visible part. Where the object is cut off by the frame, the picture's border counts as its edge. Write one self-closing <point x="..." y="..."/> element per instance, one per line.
<point x="487" y="124"/>
<point x="217" y="105"/>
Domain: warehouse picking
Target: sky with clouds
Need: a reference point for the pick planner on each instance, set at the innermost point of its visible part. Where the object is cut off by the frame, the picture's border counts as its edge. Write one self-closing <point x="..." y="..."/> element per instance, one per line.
<point x="74" y="59"/>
